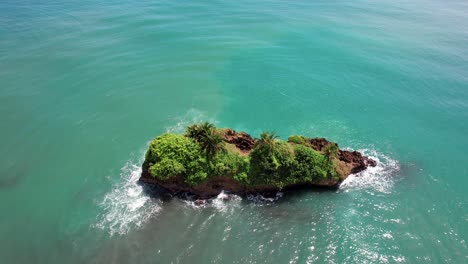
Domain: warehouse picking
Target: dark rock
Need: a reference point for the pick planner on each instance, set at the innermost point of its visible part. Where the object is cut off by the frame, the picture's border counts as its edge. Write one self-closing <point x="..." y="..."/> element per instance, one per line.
<point x="199" y="202"/>
<point x="319" y="143"/>
<point x="242" y="140"/>
<point x="354" y="159"/>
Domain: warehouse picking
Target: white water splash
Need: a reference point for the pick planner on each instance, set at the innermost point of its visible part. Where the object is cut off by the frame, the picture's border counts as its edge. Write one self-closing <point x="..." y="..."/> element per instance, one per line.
<point x="379" y="178"/>
<point x="221" y="203"/>
<point x="126" y="205"/>
<point x="222" y="200"/>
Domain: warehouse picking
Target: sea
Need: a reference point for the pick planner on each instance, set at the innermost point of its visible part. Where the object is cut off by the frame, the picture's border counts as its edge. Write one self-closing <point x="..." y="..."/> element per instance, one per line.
<point x="86" y="85"/>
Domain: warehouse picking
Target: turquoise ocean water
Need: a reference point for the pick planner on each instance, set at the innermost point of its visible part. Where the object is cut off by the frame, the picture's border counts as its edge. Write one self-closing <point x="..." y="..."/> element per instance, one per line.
<point x="85" y="85"/>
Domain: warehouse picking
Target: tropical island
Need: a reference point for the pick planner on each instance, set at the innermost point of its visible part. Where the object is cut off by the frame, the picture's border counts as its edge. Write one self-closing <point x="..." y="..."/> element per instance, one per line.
<point x="206" y="160"/>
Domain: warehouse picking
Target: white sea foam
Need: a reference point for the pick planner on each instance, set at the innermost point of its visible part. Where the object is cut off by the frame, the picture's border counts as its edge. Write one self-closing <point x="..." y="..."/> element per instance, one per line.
<point x="221" y="203"/>
<point x="379" y="178"/>
<point x="126" y="205"/>
<point x="223" y="200"/>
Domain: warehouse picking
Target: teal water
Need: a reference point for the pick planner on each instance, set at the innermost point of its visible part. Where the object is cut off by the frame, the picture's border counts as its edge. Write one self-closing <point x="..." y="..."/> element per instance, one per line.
<point x="85" y="85"/>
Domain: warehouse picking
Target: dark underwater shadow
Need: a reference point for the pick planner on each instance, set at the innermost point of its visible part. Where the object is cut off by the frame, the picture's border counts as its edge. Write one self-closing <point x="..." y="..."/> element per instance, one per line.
<point x="14" y="179"/>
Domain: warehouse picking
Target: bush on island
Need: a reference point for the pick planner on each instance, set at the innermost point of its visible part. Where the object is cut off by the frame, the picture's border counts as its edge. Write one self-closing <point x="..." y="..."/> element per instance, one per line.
<point x="202" y="153"/>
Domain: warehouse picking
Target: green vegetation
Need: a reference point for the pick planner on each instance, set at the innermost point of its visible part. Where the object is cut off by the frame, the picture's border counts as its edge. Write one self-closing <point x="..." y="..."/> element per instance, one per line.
<point x="198" y="131"/>
<point x="298" y="139"/>
<point x="271" y="165"/>
<point x="202" y="153"/>
<point x="311" y="166"/>
<point x="331" y="151"/>
<point x="231" y="165"/>
<point x="205" y="135"/>
<point x="176" y="155"/>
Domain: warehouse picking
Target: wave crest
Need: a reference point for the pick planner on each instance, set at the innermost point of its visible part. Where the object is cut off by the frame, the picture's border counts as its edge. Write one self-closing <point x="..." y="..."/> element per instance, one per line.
<point x="379" y="178"/>
<point x="126" y="205"/>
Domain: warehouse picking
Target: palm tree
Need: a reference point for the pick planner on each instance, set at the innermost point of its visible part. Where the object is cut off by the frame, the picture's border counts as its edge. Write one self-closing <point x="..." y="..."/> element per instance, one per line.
<point x="205" y="134"/>
<point x="199" y="131"/>
<point x="212" y="144"/>
<point x="206" y="127"/>
<point x="268" y="139"/>
<point x="192" y="132"/>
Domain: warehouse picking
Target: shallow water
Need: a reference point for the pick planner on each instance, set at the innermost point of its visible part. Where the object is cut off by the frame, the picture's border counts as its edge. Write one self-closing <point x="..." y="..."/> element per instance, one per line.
<point x="85" y="85"/>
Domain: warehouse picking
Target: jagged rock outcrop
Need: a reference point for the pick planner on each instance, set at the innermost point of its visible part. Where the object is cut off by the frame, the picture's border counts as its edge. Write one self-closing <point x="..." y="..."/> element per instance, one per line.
<point x="353" y="159"/>
<point x="243" y="141"/>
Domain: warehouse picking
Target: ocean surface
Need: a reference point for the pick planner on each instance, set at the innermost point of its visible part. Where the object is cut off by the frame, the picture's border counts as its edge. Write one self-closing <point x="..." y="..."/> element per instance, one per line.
<point x="85" y="85"/>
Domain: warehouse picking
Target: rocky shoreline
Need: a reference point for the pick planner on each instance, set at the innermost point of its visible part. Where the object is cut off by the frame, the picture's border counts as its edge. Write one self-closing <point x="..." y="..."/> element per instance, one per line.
<point x="351" y="162"/>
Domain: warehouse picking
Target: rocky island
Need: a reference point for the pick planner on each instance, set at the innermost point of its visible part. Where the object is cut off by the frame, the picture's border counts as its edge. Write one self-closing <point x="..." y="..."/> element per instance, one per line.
<point x="207" y="160"/>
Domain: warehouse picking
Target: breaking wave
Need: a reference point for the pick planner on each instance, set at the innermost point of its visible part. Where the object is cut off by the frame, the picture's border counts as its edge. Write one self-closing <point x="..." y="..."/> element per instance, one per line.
<point x="127" y="206"/>
<point x="222" y="203"/>
<point x="379" y="178"/>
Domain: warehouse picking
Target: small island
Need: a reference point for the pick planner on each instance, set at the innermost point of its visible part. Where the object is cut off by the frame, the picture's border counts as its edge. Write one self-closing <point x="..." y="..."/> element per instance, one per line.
<point x="207" y="160"/>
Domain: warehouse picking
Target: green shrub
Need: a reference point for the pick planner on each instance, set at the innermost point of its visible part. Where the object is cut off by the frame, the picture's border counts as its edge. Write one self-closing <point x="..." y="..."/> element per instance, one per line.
<point x="167" y="168"/>
<point x="271" y="164"/>
<point x="242" y="177"/>
<point x="196" y="178"/>
<point x="310" y="165"/>
<point x="173" y="155"/>
<point x="288" y="164"/>
<point x="230" y="164"/>
<point x="298" y="139"/>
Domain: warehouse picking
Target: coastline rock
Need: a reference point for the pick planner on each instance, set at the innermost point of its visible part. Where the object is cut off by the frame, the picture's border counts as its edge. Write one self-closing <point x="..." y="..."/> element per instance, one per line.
<point x="353" y="159"/>
<point x="243" y="141"/>
<point x="348" y="162"/>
